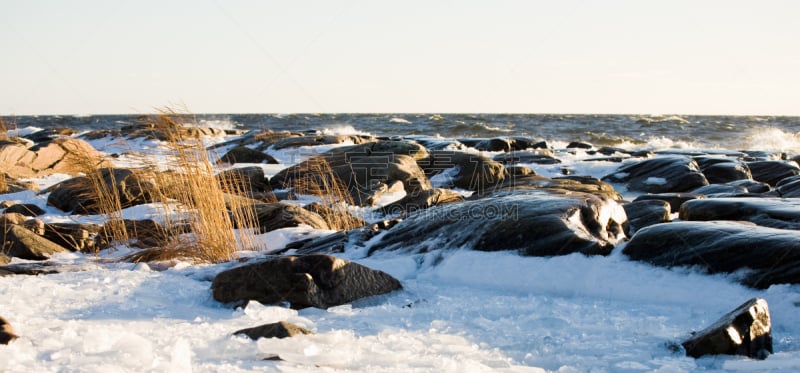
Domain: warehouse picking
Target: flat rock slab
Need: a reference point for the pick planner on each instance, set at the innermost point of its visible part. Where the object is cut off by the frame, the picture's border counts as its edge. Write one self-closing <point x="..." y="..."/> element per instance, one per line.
<point x="532" y="222"/>
<point x="660" y="175"/>
<point x="768" y="212"/>
<point x="23" y="243"/>
<point x="274" y="330"/>
<point x="320" y="281"/>
<point x="772" y="255"/>
<point x="743" y="331"/>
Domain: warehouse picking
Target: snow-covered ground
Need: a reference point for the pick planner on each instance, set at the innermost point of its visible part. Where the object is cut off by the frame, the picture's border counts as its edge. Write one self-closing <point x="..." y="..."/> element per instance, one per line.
<point x="460" y="311"/>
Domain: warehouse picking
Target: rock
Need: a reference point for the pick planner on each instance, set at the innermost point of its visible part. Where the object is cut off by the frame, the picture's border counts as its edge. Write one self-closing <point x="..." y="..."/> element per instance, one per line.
<point x="336" y="219"/>
<point x="558" y="185"/>
<point x="362" y="171"/>
<point x="77" y="195"/>
<point x="771" y="172"/>
<point x="532" y="222"/>
<point x="721" y="247"/>
<point x="579" y="145"/>
<point x="724" y="172"/>
<point x="494" y="145"/>
<point x="243" y="154"/>
<point x="752" y="186"/>
<point x="245" y="180"/>
<point x="65" y="156"/>
<point x="789" y="187"/>
<point x="421" y="200"/>
<point x="320" y="281"/>
<point x="49" y="134"/>
<point x="525" y="156"/>
<point x="768" y="212"/>
<point x="73" y="236"/>
<point x="22" y="243"/>
<point x="26" y="209"/>
<point x="465" y="170"/>
<point x="660" y="175"/>
<point x="314" y="140"/>
<point x="719" y="189"/>
<point x="281" y="329"/>
<point x="8" y="184"/>
<point x="276" y="215"/>
<point x="6" y="332"/>
<point x="519" y="170"/>
<point x="675" y="200"/>
<point x="4" y="259"/>
<point x="523" y="143"/>
<point x="743" y="331"/>
<point x="645" y="213"/>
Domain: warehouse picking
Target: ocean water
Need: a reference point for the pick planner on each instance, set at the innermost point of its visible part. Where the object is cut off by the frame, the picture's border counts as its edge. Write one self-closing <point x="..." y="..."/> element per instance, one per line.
<point x="631" y="131"/>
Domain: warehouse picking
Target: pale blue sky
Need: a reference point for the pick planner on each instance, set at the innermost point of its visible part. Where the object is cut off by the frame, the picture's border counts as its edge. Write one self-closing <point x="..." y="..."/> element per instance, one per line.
<point x="692" y="57"/>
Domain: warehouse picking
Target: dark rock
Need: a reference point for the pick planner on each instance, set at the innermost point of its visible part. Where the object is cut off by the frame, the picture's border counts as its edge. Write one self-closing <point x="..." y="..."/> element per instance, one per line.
<point x="519" y="170"/>
<point x="337" y="219"/>
<point x="77" y="195"/>
<point x="26" y="209"/>
<point x="724" y="172"/>
<point x="73" y="236"/>
<point x="23" y="243"/>
<point x="744" y="331"/>
<point x="532" y="222"/>
<point x="752" y="186"/>
<point x="320" y="281"/>
<point x="526" y="156"/>
<point x="473" y="171"/>
<point x="721" y="246"/>
<point x="523" y="143"/>
<point x="6" y="332"/>
<point x="557" y="185"/>
<point x="276" y="215"/>
<point x="494" y="145"/>
<point x="245" y="180"/>
<point x="314" y="140"/>
<point x="280" y="329"/>
<point x="768" y="212"/>
<point x="675" y="200"/>
<point x="422" y="200"/>
<point x="645" y="213"/>
<point x="13" y="185"/>
<point x="660" y="175"/>
<point x="716" y="189"/>
<point x="579" y="145"/>
<point x="606" y="159"/>
<point x="243" y="154"/>
<point x="49" y="134"/>
<point x="771" y="172"/>
<point x="789" y="187"/>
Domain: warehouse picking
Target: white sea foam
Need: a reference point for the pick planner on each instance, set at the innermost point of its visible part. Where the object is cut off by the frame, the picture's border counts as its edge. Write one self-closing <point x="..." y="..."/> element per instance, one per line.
<point x="343" y="129"/>
<point x="771" y="138"/>
<point x="399" y="120"/>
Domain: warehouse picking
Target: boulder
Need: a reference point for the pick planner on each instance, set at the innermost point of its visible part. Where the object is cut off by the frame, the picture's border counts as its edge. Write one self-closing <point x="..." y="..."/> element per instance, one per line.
<point x="771" y="172"/>
<point x="645" y="213"/>
<point x="421" y="200"/>
<point x="362" y="171"/>
<point x="660" y="175"/>
<point x="746" y="330"/>
<point x="314" y="140"/>
<point x="557" y="185"/>
<point x="789" y="187"/>
<point x="244" y="180"/>
<point x="26" y="209"/>
<point x="25" y="244"/>
<point x="280" y="329"/>
<point x="6" y="332"/>
<point x="9" y="184"/>
<point x="723" y="172"/>
<point x="722" y="247"/>
<point x="527" y="156"/>
<point x="276" y="215"/>
<point x="531" y="222"/>
<point x="320" y="281"/>
<point x="519" y="170"/>
<point x="494" y="145"/>
<point x="73" y="236"/>
<point x="335" y="218"/>
<point x="675" y="200"/>
<point x="768" y="212"/>
<point x="78" y="195"/>
<point x="243" y="154"/>
<point x="715" y="190"/>
<point x="752" y="186"/>
<point x="464" y="170"/>
<point x="579" y="145"/>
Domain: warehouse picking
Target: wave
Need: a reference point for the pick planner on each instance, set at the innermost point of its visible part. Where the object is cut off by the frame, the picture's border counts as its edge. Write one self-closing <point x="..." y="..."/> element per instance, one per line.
<point x="399" y="120"/>
<point x="343" y="129"/>
<point x="770" y="138"/>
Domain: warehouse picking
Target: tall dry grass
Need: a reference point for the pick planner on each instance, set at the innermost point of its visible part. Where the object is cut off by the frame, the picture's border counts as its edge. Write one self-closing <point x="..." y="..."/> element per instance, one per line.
<point x="3" y="129"/>
<point x="205" y="201"/>
<point x="3" y="183"/>
<point x="317" y="177"/>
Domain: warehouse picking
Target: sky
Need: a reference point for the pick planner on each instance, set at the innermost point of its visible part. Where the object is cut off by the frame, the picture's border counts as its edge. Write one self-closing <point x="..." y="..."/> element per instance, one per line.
<point x="616" y="56"/>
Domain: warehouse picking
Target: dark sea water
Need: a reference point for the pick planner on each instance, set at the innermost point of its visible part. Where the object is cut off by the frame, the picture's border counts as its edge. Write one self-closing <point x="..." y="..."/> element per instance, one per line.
<point x="723" y="132"/>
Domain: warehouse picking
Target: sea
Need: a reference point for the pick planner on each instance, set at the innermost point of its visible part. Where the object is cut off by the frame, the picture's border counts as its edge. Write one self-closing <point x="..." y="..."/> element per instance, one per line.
<point x="777" y="133"/>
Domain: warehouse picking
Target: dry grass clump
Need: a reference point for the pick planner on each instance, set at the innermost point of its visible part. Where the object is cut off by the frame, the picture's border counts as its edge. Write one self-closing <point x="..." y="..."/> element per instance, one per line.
<point x="317" y="177"/>
<point x="208" y="211"/>
<point x="3" y="129"/>
<point x="3" y="183"/>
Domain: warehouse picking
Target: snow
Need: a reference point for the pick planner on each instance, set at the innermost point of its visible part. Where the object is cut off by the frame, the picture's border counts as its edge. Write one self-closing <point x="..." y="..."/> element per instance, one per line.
<point x="655" y="181"/>
<point x="459" y="311"/>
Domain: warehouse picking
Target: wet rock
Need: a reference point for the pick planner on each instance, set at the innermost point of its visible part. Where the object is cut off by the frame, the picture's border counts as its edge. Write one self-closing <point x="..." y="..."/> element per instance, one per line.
<point x="752" y="186"/>
<point x="314" y="140"/>
<point x="557" y="185"/>
<point x="771" y="172"/>
<point x="645" y="213"/>
<point x="280" y="329"/>
<point x="320" y="281"/>
<point x="25" y="244"/>
<point x="494" y="145"/>
<point x="744" y="331"/>
<point x="6" y="332"/>
<point x="724" y="172"/>
<point x="524" y="143"/>
<point x="532" y="222"/>
<point x="245" y="180"/>
<point x="768" y="212"/>
<point x="49" y="134"/>
<point x="464" y="170"/>
<point x="675" y="200"/>
<point x="77" y="195"/>
<point x="719" y="189"/>
<point x="526" y="156"/>
<point x="660" y="175"/>
<point x="579" y="145"/>
<point x="243" y="154"/>
<point x="26" y="209"/>
<point x="721" y="246"/>
<point x="421" y="200"/>
<point x="789" y="187"/>
<point x="276" y="215"/>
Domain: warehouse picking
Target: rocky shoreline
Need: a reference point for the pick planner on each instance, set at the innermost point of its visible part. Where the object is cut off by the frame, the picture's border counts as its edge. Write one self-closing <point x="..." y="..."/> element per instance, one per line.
<point x="715" y="211"/>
